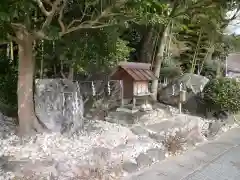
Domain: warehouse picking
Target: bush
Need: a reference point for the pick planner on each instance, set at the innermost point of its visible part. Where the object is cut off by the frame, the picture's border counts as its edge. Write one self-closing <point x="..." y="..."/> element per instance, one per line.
<point x="222" y="94"/>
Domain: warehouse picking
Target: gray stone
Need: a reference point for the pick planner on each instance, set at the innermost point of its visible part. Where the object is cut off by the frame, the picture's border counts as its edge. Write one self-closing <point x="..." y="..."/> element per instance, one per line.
<point x="146" y="107"/>
<point x="231" y="119"/>
<point x="214" y="128"/>
<point x="156" y="154"/>
<point x="157" y="137"/>
<point x="138" y="130"/>
<point x="191" y="136"/>
<point x="129" y="167"/>
<point x="192" y="83"/>
<point x="143" y="160"/>
<point x="123" y="118"/>
<point x="159" y="127"/>
<point x="59" y="104"/>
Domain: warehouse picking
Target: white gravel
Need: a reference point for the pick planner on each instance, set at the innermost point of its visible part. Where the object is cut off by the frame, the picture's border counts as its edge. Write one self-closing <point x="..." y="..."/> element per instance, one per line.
<point x="74" y="150"/>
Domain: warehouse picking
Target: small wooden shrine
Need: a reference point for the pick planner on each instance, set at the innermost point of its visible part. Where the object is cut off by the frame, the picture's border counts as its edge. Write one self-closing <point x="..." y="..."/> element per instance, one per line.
<point x="135" y="79"/>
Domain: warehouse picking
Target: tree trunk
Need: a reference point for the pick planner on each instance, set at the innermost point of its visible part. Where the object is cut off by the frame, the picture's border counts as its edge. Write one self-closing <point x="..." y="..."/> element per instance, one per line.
<point x="218" y="73"/>
<point x="42" y="59"/>
<point x="158" y="60"/>
<point x="8" y="50"/>
<point x="194" y="60"/>
<point x="147" y="46"/>
<point x="11" y="51"/>
<point x="208" y="56"/>
<point x="28" y="121"/>
<point x="71" y="73"/>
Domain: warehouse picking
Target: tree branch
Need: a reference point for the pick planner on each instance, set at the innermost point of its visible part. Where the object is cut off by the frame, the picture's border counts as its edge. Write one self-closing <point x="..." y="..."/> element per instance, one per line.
<point x="86" y="25"/>
<point x="43" y="9"/>
<point x="103" y="14"/>
<point x="48" y="2"/>
<point x="40" y="35"/>
<point x="51" y="14"/>
<point x="13" y="38"/>
<point x="195" y="6"/>
<point x="18" y="26"/>
<point x="60" y="18"/>
<point x="78" y="20"/>
<point x="93" y="23"/>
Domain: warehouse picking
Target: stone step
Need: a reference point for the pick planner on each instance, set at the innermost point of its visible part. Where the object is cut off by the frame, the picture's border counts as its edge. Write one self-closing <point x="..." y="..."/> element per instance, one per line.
<point x="144" y="160"/>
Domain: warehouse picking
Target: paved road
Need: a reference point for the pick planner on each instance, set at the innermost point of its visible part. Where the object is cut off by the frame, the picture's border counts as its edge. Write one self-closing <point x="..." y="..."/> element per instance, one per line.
<point x="216" y="160"/>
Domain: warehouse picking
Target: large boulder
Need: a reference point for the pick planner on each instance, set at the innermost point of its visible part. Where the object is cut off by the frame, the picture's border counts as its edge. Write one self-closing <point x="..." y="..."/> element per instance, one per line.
<point x="59" y="104"/>
<point x="192" y="83"/>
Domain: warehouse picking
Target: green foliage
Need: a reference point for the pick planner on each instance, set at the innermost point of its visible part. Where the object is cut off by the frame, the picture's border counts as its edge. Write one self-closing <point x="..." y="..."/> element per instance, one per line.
<point x="16" y="11"/>
<point x="170" y="72"/>
<point x="149" y="11"/>
<point x="170" y="68"/>
<point x="223" y="94"/>
<point x="93" y="49"/>
<point x="209" y="69"/>
<point x="233" y="42"/>
<point x="8" y="84"/>
<point x="97" y="50"/>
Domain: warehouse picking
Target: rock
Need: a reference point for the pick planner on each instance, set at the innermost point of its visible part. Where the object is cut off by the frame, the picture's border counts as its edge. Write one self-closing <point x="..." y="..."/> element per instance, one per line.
<point x="146" y="107"/>
<point x="230" y="120"/>
<point x="159" y="138"/>
<point x="161" y="126"/>
<point x="188" y="127"/>
<point x="156" y="154"/>
<point x="214" y="128"/>
<point x="123" y="118"/>
<point x="143" y="160"/>
<point x="222" y="115"/>
<point x="192" y="83"/>
<point x="129" y="167"/>
<point x="59" y="104"/>
<point x="138" y="130"/>
<point x="192" y="136"/>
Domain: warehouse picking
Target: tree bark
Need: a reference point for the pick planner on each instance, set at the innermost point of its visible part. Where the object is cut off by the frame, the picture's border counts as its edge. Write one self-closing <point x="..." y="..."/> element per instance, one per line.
<point x="147" y="45"/>
<point x="42" y="59"/>
<point x="218" y="73"/>
<point x="71" y="73"/>
<point x="208" y="56"/>
<point x="11" y="51"/>
<point x="158" y="60"/>
<point x="28" y="122"/>
<point x="194" y="60"/>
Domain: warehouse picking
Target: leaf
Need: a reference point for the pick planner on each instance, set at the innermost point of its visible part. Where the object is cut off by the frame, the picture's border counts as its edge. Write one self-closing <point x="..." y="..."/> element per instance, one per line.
<point x="4" y="16"/>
